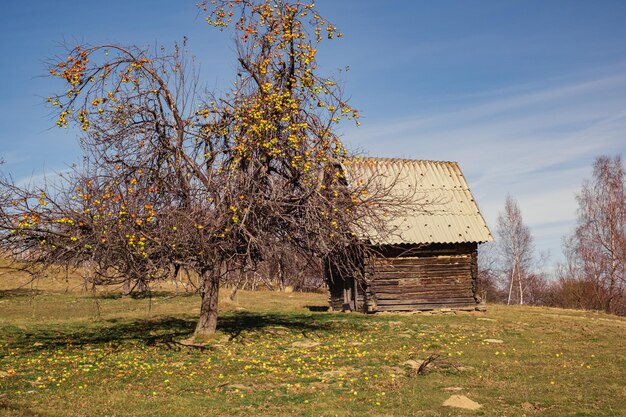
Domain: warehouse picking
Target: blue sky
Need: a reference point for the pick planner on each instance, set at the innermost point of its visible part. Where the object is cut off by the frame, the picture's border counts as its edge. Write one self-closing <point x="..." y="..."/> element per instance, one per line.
<point x="523" y="94"/>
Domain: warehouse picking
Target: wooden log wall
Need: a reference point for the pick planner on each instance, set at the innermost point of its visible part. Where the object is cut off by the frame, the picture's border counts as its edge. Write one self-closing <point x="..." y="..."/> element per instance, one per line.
<point x="408" y="278"/>
<point x="427" y="278"/>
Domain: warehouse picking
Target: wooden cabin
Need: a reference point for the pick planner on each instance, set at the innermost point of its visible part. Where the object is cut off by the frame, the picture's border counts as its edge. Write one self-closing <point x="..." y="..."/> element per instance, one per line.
<point x="429" y="259"/>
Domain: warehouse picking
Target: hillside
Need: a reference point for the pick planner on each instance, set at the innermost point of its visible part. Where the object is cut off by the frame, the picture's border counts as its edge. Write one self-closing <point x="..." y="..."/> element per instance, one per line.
<point x="76" y="354"/>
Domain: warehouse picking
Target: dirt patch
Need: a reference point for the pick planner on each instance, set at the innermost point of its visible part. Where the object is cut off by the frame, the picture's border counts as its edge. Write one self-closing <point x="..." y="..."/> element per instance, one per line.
<point x="461" y="401"/>
<point x="338" y="373"/>
<point x="396" y="370"/>
<point x="531" y="407"/>
<point x="413" y="364"/>
<point x="305" y="344"/>
<point x="319" y="385"/>
<point x="567" y="316"/>
<point x="278" y="330"/>
<point x="240" y="387"/>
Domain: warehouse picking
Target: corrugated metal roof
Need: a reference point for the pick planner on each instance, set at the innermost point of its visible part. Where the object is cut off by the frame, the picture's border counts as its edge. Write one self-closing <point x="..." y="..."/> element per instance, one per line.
<point x="440" y="208"/>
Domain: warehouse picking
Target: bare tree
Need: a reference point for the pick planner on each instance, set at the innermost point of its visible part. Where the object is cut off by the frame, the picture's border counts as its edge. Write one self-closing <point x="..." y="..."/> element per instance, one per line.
<point x="515" y="248"/>
<point x="178" y="179"/>
<point x="596" y="251"/>
<point x="488" y="274"/>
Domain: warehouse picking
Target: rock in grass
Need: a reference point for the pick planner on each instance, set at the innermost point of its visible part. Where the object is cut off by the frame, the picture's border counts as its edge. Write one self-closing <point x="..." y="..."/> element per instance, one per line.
<point x="461" y="401"/>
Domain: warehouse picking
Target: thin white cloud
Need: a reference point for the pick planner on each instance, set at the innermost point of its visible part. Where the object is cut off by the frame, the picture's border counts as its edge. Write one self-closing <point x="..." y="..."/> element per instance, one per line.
<point x="13" y="158"/>
<point x="536" y="143"/>
<point x="41" y="180"/>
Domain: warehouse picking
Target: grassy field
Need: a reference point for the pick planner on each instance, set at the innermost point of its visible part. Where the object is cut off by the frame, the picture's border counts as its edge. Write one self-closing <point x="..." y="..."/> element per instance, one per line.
<point x="68" y="353"/>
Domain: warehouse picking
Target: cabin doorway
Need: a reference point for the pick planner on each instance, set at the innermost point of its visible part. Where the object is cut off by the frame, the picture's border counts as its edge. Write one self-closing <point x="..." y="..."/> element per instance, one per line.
<point x="350" y="294"/>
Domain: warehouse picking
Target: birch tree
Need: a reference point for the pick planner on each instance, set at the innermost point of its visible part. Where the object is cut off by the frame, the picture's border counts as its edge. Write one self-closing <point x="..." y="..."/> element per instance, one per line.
<point x="596" y="251"/>
<point x="515" y="247"/>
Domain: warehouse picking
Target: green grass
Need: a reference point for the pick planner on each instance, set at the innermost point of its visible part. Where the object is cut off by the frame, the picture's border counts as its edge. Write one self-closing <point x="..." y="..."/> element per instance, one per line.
<point x="73" y="354"/>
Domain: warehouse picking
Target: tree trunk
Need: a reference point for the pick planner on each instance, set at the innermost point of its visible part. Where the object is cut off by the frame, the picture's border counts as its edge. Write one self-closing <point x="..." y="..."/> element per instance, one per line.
<point x="236" y="285"/>
<point x="281" y="276"/>
<point x="207" y="322"/>
<point x="508" y="301"/>
<point x="233" y="292"/>
<point x="126" y="288"/>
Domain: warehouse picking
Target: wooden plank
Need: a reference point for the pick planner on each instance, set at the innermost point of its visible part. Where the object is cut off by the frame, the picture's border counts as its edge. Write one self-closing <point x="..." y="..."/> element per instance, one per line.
<point x="464" y="269"/>
<point x="426" y="306"/>
<point x="412" y="266"/>
<point x="410" y="288"/>
<point x="423" y="306"/>
<point x="421" y="259"/>
<point x="424" y="260"/>
<point x="421" y="276"/>
<point x="418" y="298"/>
<point x="416" y="280"/>
<point x="418" y="290"/>
<point x="406" y="284"/>
<point x="419" y="280"/>
<point x="422" y="267"/>
<point x="421" y="298"/>
<point x="450" y="269"/>
<point x="436" y="259"/>
<point x="415" y="291"/>
<point x="426" y="299"/>
<point x="411" y="261"/>
<point x="444" y="250"/>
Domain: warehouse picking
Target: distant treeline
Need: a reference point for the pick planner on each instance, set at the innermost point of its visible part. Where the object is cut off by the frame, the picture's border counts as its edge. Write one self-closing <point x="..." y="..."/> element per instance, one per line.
<point x="593" y="277"/>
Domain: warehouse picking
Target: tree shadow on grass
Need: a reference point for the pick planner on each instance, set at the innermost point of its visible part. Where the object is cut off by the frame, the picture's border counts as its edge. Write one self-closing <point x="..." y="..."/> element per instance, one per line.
<point x="9" y="407"/>
<point x="317" y="308"/>
<point x="103" y="333"/>
<point x="236" y="323"/>
<point x="166" y="331"/>
<point x="19" y="292"/>
<point x="155" y="295"/>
